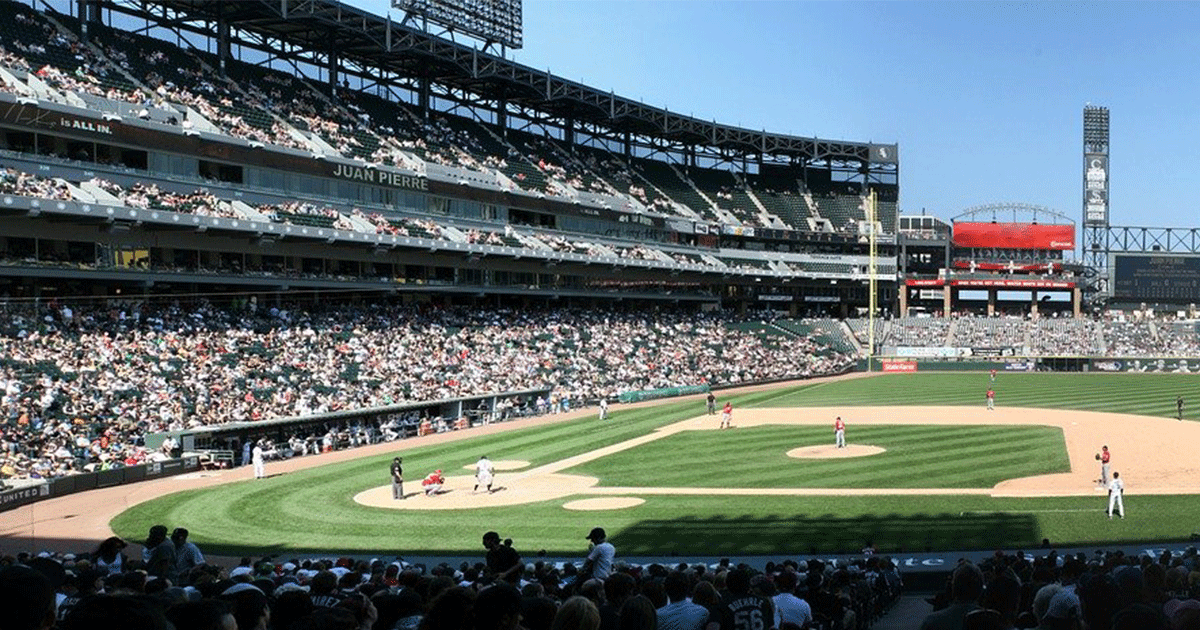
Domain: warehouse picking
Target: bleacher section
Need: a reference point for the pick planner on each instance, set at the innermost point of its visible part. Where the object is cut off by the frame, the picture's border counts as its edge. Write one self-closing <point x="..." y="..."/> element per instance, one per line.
<point x="664" y="177"/>
<point x="727" y="193"/>
<point x="1064" y="337"/>
<point x="925" y="332"/>
<point x="991" y="332"/>
<point x="843" y="211"/>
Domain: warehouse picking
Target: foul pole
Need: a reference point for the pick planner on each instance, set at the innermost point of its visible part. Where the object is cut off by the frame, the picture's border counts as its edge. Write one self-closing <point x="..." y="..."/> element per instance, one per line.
<point x="871" y="287"/>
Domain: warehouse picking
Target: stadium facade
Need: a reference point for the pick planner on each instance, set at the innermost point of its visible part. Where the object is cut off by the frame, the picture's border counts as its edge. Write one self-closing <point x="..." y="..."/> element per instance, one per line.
<point x="346" y="154"/>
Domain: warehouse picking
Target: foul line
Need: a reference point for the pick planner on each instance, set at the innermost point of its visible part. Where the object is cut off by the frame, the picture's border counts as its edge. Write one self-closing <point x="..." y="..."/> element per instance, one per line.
<point x="1100" y="509"/>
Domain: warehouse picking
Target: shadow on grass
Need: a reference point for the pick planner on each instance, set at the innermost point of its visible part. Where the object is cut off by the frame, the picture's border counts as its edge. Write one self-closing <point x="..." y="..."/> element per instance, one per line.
<point x="816" y="533"/>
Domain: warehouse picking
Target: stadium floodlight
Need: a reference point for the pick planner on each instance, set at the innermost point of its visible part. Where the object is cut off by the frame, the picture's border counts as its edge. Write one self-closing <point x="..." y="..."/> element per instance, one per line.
<point x="493" y="21"/>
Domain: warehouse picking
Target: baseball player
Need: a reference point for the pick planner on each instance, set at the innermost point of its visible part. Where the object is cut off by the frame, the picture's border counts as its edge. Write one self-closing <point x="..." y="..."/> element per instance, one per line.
<point x="432" y="483"/>
<point x="604" y="409"/>
<point x="726" y="415"/>
<point x="256" y="458"/>
<point x="1179" y="407"/>
<point x="839" y="432"/>
<point x="1105" y="466"/>
<point x="1116" y="489"/>
<point x="397" y="471"/>
<point x="991" y="398"/>
<point x="483" y="474"/>
<point x="993" y="376"/>
<point x="712" y="404"/>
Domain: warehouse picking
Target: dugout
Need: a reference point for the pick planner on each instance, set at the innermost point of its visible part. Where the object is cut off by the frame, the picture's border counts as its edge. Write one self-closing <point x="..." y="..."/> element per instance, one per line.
<point x="225" y="441"/>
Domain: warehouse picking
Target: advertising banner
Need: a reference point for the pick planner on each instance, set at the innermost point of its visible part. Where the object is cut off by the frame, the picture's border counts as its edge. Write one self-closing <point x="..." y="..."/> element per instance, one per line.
<point x="1014" y="236"/>
<point x="893" y="365"/>
<point x="932" y="352"/>
<point x="1095" y="188"/>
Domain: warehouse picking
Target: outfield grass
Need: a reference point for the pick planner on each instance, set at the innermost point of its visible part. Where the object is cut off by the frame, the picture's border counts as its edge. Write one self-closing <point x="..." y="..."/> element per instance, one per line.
<point x="918" y="456"/>
<point x="313" y="510"/>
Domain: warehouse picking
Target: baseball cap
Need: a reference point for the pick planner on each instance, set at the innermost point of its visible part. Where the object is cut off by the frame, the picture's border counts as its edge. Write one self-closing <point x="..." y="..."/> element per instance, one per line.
<point x="596" y="533"/>
<point x="491" y="536"/>
<point x="1064" y="605"/>
<point x="1176" y="609"/>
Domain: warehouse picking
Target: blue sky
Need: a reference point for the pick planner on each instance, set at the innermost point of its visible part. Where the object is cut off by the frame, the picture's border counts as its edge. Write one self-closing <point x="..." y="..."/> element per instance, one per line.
<point x="984" y="98"/>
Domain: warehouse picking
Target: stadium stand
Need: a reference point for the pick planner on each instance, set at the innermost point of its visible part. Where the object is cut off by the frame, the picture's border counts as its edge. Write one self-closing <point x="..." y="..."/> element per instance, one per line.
<point x="165" y="362"/>
<point x="919" y="332"/>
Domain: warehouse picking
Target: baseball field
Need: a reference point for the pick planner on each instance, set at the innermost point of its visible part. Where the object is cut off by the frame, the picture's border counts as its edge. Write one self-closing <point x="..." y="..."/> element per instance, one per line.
<point x="927" y="467"/>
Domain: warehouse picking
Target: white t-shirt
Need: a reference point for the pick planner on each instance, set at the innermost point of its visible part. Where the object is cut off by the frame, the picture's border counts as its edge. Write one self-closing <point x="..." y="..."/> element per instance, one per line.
<point x="602" y="559"/>
<point x="1116" y="486"/>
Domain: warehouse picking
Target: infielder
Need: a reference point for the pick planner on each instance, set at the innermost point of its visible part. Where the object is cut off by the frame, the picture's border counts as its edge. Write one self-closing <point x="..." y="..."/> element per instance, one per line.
<point x="839" y="432"/>
<point x="483" y="474"/>
<point x="726" y="415"/>
<point x="1105" y="466"/>
<point x="256" y="458"/>
<point x="991" y="398"/>
<point x="604" y="409"/>
<point x="1115" y="490"/>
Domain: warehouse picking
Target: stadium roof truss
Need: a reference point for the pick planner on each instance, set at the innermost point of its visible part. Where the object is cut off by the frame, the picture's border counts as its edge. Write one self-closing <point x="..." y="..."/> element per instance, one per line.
<point x="325" y="34"/>
<point x="1119" y="240"/>
<point x="993" y="212"/>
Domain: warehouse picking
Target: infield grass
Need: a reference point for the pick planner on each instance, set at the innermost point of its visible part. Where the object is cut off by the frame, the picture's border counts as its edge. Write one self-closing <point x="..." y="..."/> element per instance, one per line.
<point x="313" y="510"/>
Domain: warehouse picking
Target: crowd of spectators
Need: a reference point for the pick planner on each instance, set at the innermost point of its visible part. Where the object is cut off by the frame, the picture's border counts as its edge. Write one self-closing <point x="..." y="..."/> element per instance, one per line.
<point x="1109" y="590"/>
<point x="918" y="331"/>
<point x="1107" y="336"/>
<point x="76" y="377"/>
<point x="172" y="585"/>
<point x="1064" y="336"/>
<point x="14" y="182"/>
<point x="990" y="332"/>
<point x="151" y="197"/>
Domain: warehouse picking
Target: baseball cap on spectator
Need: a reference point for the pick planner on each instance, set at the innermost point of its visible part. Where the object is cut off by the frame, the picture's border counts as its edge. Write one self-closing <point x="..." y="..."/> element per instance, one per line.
<point x="238" y="588"/>
<point x="1182" y="613"/>
<point x="597" y="533"/>
<point x="1041" y="601"/>
<point x="240" y="570"/>
<point x="1064" y="605"/>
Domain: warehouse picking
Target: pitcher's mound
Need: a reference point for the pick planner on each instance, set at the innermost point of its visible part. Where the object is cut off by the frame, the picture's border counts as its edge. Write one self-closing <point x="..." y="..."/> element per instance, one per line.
<point x="504" y="464"/>
<point x="604" y="503"/>
<point x="829" y="451"/>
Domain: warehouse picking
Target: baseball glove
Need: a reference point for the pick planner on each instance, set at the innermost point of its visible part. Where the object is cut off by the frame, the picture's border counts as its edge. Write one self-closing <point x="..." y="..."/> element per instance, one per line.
<point x="1097" y="456"/>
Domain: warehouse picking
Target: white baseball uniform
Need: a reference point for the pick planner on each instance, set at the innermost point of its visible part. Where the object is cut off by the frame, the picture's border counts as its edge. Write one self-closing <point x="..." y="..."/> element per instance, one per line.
<point x="483" y="472"/>
<point x="1116" y="488"/>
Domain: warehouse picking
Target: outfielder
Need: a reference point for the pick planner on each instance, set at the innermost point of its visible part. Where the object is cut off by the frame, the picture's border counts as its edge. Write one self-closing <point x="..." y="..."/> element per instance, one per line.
<point x="1115" y="490"/>
<point x="726" y="415"/>
<point x="1179" y="407"/>
<point x="483" y="474"/>
<point x="839" y="432"/>
<point x="604" y="409"/>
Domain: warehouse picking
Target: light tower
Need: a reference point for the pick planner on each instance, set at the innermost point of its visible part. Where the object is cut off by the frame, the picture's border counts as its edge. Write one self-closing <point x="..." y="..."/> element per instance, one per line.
<point x="1095" y="192"/>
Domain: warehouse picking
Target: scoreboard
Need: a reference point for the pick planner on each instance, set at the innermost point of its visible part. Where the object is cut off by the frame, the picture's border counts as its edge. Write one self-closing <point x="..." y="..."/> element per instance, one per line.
<point x="1170" y="277"/>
